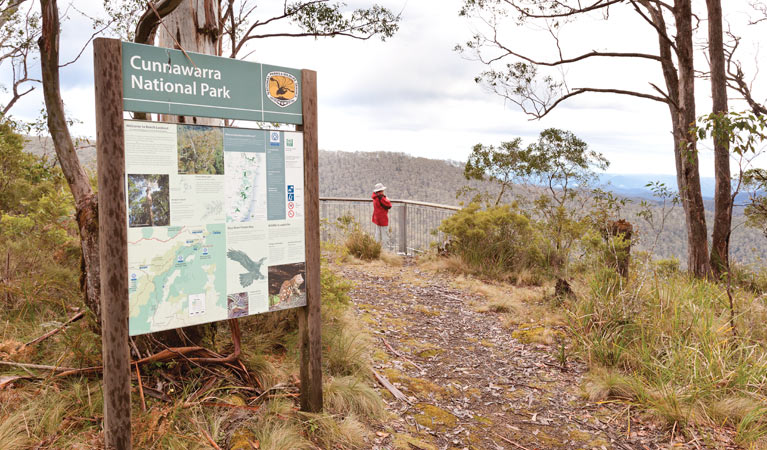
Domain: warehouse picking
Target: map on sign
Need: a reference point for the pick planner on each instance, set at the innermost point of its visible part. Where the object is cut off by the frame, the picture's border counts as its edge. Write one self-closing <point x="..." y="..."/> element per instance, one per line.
<point x="246" y="191"/>
<point x="177" y="274"/>
<point x="215" y="223"/>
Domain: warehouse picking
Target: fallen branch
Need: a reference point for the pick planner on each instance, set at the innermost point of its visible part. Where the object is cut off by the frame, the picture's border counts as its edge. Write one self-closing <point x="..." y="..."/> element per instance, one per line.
<point x="36" y="366"/>
<point x="508" y="441"/>
<point x="141" y="389"/>
<point x="234" y="326"/>
<point x="398" y="354"/>
<point x="162" y="356"/>
<point x="276" y="387"/>
<point x="210" y="439"/>
<point x="390" y="387"/>
<point x="74" y="318"/>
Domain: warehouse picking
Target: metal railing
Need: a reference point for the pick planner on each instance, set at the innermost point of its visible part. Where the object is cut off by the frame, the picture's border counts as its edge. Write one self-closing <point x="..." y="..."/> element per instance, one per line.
<point x="412" y="225"/>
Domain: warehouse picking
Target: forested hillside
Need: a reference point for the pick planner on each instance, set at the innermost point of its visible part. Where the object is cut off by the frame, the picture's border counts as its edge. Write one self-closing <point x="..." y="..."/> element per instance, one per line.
<point x="353" y="174"/>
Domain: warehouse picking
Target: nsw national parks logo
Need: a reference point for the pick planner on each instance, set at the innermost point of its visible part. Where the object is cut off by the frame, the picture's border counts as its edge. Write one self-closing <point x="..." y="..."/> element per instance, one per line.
<point x="281" y="88"/>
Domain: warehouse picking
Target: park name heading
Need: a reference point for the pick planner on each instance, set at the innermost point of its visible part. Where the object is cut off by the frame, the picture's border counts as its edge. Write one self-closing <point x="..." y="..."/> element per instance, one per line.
<point x="189" y="88"/>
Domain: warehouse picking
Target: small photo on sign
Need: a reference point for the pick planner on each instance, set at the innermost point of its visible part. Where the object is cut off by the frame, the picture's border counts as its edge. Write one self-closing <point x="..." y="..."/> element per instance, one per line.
<point x="287" y="286"/>
<point x="237" y="305"/>
<point x="200" y="150"/>
<point x="148" y="200"/>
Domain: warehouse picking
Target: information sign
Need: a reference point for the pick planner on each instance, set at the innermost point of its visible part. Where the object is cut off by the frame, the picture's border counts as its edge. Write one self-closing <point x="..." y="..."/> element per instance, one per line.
<point x="211" y="234"/>
<point x="166" y="81"/>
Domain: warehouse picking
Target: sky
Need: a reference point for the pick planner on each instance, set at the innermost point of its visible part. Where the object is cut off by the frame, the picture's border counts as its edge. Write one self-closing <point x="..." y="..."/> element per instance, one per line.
<point x="415" y="94"/>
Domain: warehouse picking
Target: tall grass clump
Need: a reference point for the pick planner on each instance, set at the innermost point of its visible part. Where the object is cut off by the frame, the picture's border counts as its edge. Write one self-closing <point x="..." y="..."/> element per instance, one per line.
<point x="665" y="341"/>
<point x="346" y="236"/>
<point x="362" y="245"/>
<point x="497" y="241"/>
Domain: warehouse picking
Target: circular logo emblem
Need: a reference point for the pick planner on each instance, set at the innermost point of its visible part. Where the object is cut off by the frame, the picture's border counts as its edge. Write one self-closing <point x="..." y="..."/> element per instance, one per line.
<point x="291" y="213"/>
<point x="290" y="205"/>
<point x="281" y="88"/>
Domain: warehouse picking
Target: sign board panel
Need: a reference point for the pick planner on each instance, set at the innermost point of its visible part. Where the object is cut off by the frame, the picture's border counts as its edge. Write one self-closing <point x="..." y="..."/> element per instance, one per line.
<point x="166" y="81"/>
<point x="215" y="223"/>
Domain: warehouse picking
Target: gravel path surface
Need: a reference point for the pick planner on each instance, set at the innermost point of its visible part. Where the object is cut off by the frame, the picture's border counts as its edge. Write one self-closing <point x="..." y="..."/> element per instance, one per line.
<point x="469" y="384"/>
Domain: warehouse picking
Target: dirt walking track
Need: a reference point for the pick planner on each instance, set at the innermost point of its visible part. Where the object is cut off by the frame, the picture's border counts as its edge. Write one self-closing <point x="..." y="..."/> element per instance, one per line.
<point x="469" y="384"/>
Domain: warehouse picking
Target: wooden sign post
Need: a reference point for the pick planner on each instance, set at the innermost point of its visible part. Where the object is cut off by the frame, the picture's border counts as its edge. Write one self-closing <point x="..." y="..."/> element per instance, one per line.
<point x="111" y="101"/>
<point x="113" y="242"/>
<point x="309" y="317"/>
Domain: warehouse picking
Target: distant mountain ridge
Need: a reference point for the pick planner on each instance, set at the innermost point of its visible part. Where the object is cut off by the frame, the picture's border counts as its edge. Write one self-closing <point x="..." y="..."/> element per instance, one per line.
<point x="353" y="174"/>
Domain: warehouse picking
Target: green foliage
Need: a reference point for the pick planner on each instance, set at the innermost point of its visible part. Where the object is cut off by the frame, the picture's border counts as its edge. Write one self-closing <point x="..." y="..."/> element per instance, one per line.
<point x="41" y="251"/>
<point x="741" y="131"/>
<point x="756" y="209"/>
<point x="495" y="241"/>
<point x="335" y="289"/>
<point x="200" y="150"/>
<point x="324" y="19"/>
<point x="497" y="164"/>
<point x="564" y="167"/>
<point x="308" y="18"/>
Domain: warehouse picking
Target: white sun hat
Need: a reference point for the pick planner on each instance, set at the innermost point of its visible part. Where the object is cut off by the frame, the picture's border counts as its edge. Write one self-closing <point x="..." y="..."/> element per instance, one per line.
<point x="379" y="187"/>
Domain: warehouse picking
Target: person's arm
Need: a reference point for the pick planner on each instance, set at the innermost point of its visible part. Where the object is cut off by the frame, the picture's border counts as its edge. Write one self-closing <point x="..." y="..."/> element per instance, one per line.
<point x="384" y="201"/>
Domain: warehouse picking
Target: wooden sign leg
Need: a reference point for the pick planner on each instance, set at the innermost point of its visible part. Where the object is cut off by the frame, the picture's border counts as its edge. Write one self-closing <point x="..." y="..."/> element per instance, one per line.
<point x="309" y="317"/>
<point x="113" y="243"/>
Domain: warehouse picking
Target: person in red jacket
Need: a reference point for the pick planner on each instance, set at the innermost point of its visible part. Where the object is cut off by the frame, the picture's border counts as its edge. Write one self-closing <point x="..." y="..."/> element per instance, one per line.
<point x="381" y="207"/>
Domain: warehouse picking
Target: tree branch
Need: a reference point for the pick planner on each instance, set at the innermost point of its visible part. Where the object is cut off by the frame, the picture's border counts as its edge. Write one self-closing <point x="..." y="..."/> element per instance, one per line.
<point x="147" y="24"/>
<point x="545" y="109"/>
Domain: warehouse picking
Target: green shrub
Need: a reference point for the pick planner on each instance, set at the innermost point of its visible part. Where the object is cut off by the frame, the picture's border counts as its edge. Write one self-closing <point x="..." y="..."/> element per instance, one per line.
<point x="495" y="241"/>
<point x="667" y="267"/>
<point x="335" y="289"/>
<point x="362" y="245"/>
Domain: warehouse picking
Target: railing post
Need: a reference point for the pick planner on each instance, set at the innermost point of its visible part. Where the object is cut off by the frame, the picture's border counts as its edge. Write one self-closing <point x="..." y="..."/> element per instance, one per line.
<point x="403" y="229"/>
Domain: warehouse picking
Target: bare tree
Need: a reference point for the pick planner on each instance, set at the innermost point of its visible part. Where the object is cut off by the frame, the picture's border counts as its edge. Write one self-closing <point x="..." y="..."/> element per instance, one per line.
<point x="523" y="79"/>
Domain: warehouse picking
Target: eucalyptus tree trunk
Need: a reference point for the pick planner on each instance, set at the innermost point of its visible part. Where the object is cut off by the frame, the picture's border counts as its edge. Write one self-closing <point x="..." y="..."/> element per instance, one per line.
<point x="193" y="26"/>
<point x="86" y="201"/>
<point x="685" y="151"/>
<point x="720" y="239"/>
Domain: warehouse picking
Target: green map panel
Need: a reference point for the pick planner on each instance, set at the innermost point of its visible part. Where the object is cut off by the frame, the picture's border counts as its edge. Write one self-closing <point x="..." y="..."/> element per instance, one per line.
<point x="177" y="277"/>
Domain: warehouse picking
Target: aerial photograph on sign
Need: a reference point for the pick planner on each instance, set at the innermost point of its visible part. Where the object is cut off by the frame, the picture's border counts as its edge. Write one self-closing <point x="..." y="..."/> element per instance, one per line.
<point x="200" y="150"/>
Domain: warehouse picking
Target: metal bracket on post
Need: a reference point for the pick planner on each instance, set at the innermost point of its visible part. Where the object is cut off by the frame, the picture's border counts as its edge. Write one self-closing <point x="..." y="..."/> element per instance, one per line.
<point x="403" y="229"/>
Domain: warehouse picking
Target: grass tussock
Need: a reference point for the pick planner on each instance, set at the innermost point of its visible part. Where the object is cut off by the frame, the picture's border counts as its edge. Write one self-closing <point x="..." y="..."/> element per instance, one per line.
<point x="350" y="396"/>
<point x="666" y="342"/>
<point x="362" y="245"/>
<point x="392" y="259"/>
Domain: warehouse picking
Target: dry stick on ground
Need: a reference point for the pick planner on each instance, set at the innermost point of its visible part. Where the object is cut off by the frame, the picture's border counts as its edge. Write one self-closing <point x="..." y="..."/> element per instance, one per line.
<point x="74" y="318"/>
<point x="210" y="439"/>
<point x="511" y="442"/>
<point x="390" y="387"/>
<point x="401" y="355"/>
<point x="172" y="353"/>
<point x="36" y="366"/>
<point x="141" y="389"/>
